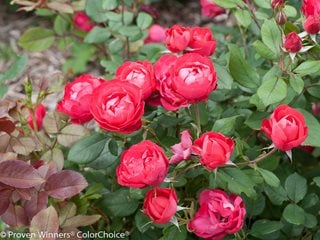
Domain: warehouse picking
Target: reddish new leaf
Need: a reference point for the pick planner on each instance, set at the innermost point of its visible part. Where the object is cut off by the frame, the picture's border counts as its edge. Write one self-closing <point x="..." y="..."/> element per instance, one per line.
<point x="5" y="195"/>
<point x="6" y="125"/>
<point x="38" y="202"/>
<point x="19" y="174"/>
<point x="45" y="221"/>
<point x="15" y="216"/>
<point x="65" y="184"/>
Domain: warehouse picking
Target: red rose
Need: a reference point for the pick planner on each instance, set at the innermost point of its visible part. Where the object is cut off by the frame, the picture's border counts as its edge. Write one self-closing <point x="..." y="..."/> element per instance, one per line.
<point x="214" y="149"/>
<point x="210" y="9"/>
<point x="156" y="34"/>
<point x="202" y="41"/>
<point x="286" y="127"/>
<point x="310" y="7"/>
<point x="176" y="76"/>
<point x="277" y="4"/>
<point x="218" y="215"/>
<point x="39" y="114"/>
<point x="77" y="97"/>
<point x="160" y="204"/>
<point x="140" y="74"/>
<point x="292" y="42"/>
<point x="312" y="24"/>
<point x="117" y="106"/>
<point x="82" y="21"/>
<point x="142" y="165"/>
<point x="177" y="38"/>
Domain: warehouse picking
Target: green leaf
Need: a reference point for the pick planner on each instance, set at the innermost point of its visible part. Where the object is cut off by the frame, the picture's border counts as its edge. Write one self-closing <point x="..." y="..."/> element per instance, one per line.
<point x="271" y="36"/>
<point x="229" y="3"/>
<point x="60" y="25"/>
<point x="296" y="83"/>
<point x="3" y="90"/>
<point x="127" y="17"/>
<point x="88" y="149"/>
<point x="97" y="9"/>
<point x="272" y="91"/>
<point x="144" y="20"/>
<point x="241" y="71"/>
<point x="173" y="233"/>
<point x="37" y="39"/>
<point x="317" y="181"/>
<point x="224" y="78"/>
<point x="97" y="35"/>
<point x="276" y="195"/>
<point x="294" y="214"/>
<point x="255" y="207"/>
<point x="313" y="129"/>
<point x="296" y="187"/>
<point x="263" y="3"/>
<point x="225" y="125"/>
<point x="142" y="221"/>
<point x="243" y="17"/>
<point x="119" y="203"/>
<point x="263" y="50"/>
<point x="255" y="119"/>
<point x="308" y="68"/>
<point x="17" y="67"/>
<point x="269" y="177"/>
<point x="290" y="11"/>
<point x="238" y="182"/>
<point x="264" y="227"/>
<point x="129" y="30"/>
<point x="310" y="220"/>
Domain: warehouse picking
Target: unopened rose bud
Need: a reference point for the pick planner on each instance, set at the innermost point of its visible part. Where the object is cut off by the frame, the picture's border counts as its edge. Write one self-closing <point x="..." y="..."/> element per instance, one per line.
<point x="281" y="18"/>
<point x="312" y="24"/>
<point x="293" y="42"/>
<point x="277" y="4"/>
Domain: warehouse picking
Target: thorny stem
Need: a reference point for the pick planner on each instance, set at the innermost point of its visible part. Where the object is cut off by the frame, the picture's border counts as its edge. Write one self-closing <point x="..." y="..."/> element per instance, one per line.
<point x="187" y="168"/>
<point x="198" y="121"/>
<point x="126" y="53"/>
<point x="258" y="159"/>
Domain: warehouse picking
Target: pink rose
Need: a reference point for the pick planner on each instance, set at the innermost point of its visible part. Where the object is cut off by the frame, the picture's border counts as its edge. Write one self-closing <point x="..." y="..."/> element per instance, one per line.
<point x="140" y="74"/>
<point x="202" y="41"/>
<point x="218" y="215"/>
<point x="210" y="9"/>
<point x="177" y="38"/>
<point x="176" y="76"/>
<point x="117" y="106"/>
<point x="160" y="204"/>
<point x="142" y="165"/>
<point x="77" y="98"/>
<point x="292" y="42"/>
<point x="82" y="22"/>
<point x="310" y="7"/>
<point x="182" y="151"/>
<point x="286" y="127"/>
<point x="156" y="34"/>
<point x="39" y="114"/>
<point x="214" y="149"/>
<point x="312" y="24"/>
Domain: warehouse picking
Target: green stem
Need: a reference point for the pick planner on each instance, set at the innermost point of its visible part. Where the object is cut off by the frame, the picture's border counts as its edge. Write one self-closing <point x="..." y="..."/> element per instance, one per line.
<point x="258" y="159"/>
<point x="198" y="120"/>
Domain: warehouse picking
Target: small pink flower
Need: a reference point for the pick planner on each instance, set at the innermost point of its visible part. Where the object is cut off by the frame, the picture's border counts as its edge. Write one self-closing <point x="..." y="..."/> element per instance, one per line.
<point x="156" y="34"/>
<point x="39" y="114"/>
<point x="210" y="9"/>
<point x="182" y="151"/>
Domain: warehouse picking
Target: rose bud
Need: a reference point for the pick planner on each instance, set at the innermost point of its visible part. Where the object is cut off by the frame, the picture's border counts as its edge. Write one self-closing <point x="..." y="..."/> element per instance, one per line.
<point x="77" y="98"/>
<point x="177" y="38"/>
<point x="117" y="106"/>
<point x="316" y="109"/>
<point x="182" y="151"/>
<point x="140" y="74"/>
<point x="39" y="114"/>
<point x="142" y="165"/>
<point x="202" y="41"/>
<point x="156" y="34"/>
<point x="160" y="204"/>
<point x="281" y="18"/>
<point x="286" y="127"/>
<point x="218" y="215"/>
<point x="277" y="4"/>
<point x="310" y="8"/>
<point x="214" y="149"/>
<point x="82" y="22"/>
<point x="312" y="24"/>
<point x="210" y="9"/>
<point x="293" y="42"/>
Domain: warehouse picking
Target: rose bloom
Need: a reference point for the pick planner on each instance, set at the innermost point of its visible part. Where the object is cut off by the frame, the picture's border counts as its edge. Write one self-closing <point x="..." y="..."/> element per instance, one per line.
<point x="39" y="114"/>
<point x="214" y="149"/>
<point x="160" y="204"/>
<point x="142" y="165"/>
<point x="140" y="74"/>
<point x="202" y="41"/>
<point x="176" y="76"/>
<point x="82" y="22"/>
<point x="182" y="151"/>
<point x="218" y="215"/>
<point x="117" y="106"/>
<point x="292" y="42"/>
<point x="156" y="34"/>
<point x="77" y="97"/>
<point x="286" y="127"/>
<point x="177" y="38"/>
<point x="310" y="7"/>
<point x="312" y="24"/>
<point x="210" y="9"/>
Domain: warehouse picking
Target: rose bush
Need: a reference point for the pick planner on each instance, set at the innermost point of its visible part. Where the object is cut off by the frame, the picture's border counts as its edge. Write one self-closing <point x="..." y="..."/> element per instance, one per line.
<point x="208" y="131"/>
